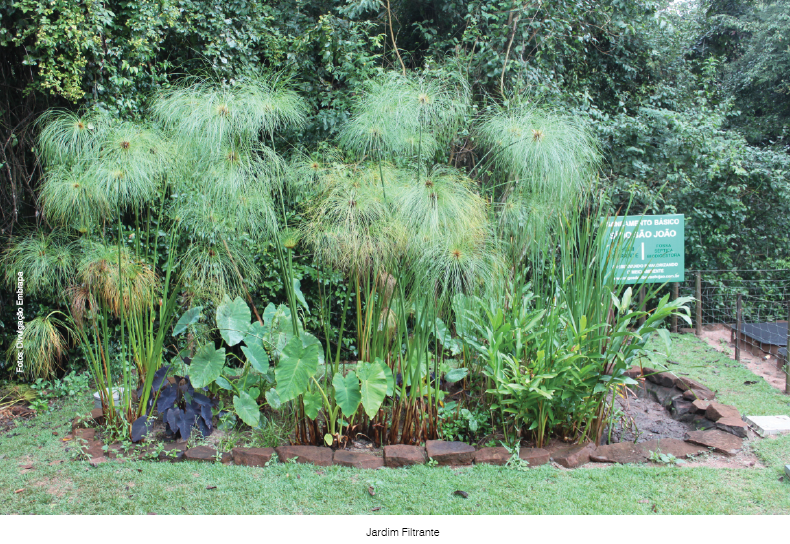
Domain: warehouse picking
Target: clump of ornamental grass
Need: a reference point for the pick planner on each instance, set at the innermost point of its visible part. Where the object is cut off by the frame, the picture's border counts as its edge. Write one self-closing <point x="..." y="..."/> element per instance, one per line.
<point x="210" y="272"/>
<point x="17" y="392"/>
<point x="43" y="345"/>
<point x="406" y="115"/>
<point x="98" y="272"/>
<point x="540" y="151"/>
<point x="218" y="112"/>
<point x="253" y="214"/>
<point x="542" y="161"/>
<point x="348" y="225"/>
<point x="130" y="165"/>
<point x="47" y="262"/>
<point x="524" y="221"/>
<point x="71" y="197"/>
<point x="227" y="181"/>
<point x="306" y="173"/>
<point x="97" y="167"/>
<point x="67" y="137"/>
<point x="443" y="202"/>
<point x="464" y="263"/>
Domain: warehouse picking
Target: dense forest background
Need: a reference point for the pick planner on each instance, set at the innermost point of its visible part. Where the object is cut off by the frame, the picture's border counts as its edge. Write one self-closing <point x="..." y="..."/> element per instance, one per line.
<point x="690" y="99"/>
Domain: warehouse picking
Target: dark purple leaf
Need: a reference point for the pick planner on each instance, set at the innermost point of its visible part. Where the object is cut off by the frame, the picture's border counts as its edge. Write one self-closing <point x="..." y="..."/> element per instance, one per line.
<point x="204" y="429"/>
<point x="167" y="398"/>
<point x="140" y="428"/>
<point x="202" y="400"/>
<point x="185" y="425"/>
<point x="205" y="413"/>
<point x="191" y="412"/>
<point x="173" y="415"/>
<point x="159" y="377"/>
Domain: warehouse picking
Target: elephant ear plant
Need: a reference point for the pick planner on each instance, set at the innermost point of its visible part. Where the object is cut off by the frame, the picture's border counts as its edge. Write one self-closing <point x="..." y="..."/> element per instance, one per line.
<point x="180" y="407"/>
<point x="297" y="360"/>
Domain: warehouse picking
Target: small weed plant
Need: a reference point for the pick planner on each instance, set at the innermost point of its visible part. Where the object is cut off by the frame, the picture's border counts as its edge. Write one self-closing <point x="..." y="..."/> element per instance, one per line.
<point x="515" y="462"/>
<point x="666" y="459"/>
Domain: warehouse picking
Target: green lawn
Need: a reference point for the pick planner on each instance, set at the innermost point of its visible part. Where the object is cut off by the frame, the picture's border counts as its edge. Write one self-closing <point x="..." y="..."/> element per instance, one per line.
<point x="164" y="488"/>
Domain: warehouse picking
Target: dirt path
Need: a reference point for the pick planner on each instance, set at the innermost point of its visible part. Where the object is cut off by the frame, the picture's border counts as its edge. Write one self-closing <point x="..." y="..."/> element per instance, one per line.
<point x="718" y="337"/>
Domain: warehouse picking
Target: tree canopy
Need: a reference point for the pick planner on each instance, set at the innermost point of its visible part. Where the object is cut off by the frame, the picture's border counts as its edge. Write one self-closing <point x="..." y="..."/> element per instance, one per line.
<point x="688" y="100"/>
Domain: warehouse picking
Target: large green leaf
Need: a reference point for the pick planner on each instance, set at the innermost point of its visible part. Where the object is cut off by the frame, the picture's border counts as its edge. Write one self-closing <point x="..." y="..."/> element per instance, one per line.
<point x="299" y="296"/>
<point x="310" y="340"/>
<point x="373" y="386"/>
<point x="456" y="374"/>
<point x="247" y="409"/>
<point x="388" y="374"/>
<point x="190" y="317"/>
<point x="347" y="393"/>
<point x="233" y="320"/>
<point x="277" y="328"/>
<point x="256" y="333"/>
<point x="442" y="333"/>
<point x="312" y="404"/>
<point x="206" y="366"/>
<point x="273" y="399"/>
<point x="296" y="366"/>
<point x="257" y="356"/>
<point x="222" y="383"/>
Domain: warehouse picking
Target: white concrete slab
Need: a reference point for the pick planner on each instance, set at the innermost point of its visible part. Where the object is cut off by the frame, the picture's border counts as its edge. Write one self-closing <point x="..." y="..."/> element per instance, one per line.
<point x="765" y="425"/>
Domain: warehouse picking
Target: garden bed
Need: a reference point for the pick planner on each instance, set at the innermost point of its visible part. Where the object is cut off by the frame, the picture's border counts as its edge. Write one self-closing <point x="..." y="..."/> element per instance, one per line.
<point x="664" y="418"/>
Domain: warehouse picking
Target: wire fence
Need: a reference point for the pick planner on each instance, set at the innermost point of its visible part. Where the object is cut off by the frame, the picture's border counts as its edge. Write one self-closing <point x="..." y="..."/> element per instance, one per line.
<point x="753" y="304"/>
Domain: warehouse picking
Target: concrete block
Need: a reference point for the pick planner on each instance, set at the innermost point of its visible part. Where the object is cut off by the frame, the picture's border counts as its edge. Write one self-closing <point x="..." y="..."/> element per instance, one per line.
<point x="765" y="425"/>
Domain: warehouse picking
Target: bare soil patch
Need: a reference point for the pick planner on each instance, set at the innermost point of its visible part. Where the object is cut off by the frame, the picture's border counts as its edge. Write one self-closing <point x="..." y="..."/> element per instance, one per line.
<point x="762" y="365"/>
<point x="643" y="419"/>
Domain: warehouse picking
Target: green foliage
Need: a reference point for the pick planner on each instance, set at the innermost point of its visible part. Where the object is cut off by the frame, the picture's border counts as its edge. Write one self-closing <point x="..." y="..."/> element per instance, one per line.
<point x="247" y="409"/>
<point x="463" y="424"/>
<point x="233" y="320"/>
<point x="556" y="352"/>
<point x="44" y="346"/>
<point x="752" y="39"/>
<point x="347" y="393"/>
<point x="451" y="178"/>
<point x="206" y="365"/>
<point x="664" y="458"/>
<point x="69" y="385"/>
<point x="297" y="365"/>
<point x="373" y="386"/>
<point x="47" y="262"/>
<point x="687" y="163"/>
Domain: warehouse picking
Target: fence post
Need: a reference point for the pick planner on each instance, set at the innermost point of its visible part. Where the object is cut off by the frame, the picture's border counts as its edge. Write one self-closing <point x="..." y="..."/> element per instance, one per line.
<point x="674" y="297"/>
<point x="738" y="321"/>
<point x="642" y="304"/>
<point x="699" y="303"/>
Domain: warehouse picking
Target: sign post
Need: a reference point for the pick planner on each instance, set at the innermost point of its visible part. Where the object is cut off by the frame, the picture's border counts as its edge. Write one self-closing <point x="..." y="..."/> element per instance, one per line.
<point x="656" y="253"/>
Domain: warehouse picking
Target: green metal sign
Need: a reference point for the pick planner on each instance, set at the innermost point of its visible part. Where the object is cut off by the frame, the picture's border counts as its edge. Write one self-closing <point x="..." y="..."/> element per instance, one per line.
<point x="655" y="252"/>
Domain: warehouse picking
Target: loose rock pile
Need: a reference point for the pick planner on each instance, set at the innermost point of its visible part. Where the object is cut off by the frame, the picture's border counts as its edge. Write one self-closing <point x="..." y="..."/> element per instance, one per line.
<point x="689" y="401"/>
